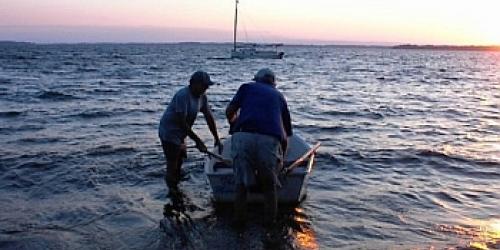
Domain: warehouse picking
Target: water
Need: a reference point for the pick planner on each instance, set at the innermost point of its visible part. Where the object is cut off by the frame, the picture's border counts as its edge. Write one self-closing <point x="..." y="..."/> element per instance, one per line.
<point x="410" y="154"/>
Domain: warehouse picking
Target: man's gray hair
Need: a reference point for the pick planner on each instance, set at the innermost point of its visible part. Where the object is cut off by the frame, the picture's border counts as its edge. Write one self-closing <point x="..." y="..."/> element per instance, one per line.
<point x="265" y="75"/>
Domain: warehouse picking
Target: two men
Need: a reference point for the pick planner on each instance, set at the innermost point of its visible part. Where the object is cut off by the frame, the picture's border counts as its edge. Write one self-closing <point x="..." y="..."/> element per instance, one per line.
<point x="260" y="124"/>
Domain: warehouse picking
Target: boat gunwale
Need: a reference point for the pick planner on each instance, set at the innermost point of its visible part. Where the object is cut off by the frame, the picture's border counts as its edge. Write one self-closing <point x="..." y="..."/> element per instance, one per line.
<point x="295" y="172"/>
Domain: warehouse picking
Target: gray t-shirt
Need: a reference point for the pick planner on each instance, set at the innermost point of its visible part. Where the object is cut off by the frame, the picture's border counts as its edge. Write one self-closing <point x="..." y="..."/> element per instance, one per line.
<point x="185" y="105"/>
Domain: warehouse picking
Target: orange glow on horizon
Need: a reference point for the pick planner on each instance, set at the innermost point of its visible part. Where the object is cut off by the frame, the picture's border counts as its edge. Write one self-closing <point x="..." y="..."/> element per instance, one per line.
<point x="394" y="21"/>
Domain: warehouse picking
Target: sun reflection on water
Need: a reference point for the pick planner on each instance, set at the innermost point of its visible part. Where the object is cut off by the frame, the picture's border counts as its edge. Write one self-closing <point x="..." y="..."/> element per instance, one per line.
<point x="484" y="150"/>
<point x="305" y="237"/>
<point x="480" y="234"/>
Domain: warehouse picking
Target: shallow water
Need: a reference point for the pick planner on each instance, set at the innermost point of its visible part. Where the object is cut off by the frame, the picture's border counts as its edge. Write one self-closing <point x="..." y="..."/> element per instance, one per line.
<point x="410" y="154"/>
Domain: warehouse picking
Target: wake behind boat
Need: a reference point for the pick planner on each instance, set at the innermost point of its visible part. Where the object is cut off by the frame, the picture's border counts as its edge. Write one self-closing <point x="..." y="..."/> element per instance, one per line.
<point x="293" y="185"/>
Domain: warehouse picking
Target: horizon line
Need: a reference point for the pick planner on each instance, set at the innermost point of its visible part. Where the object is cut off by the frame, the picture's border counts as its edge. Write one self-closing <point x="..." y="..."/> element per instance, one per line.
<point x="323" y="44"/>
<point x="61" y="34"/>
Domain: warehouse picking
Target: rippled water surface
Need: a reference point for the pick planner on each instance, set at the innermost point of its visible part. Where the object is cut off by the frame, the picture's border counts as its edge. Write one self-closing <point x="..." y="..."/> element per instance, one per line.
<point x="410" y="154"/>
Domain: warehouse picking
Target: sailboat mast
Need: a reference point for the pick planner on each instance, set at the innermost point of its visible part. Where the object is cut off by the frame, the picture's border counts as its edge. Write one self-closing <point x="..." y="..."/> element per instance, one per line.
<point x="235" y="25"/>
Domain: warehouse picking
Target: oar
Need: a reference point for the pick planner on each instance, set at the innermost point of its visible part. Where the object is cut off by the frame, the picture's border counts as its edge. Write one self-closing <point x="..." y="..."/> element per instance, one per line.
<point x="220" y="157"/>
<point x="301" y="159"/>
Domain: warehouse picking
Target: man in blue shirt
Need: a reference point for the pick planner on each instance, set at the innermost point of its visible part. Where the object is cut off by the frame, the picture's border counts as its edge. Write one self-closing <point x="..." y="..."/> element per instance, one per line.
<point x="176" y="123"/>
<point x="259" y="140"/>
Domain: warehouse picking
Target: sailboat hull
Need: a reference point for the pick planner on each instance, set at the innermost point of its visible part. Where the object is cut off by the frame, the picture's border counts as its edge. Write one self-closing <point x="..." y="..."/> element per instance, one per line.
<point x="256" y="54"/>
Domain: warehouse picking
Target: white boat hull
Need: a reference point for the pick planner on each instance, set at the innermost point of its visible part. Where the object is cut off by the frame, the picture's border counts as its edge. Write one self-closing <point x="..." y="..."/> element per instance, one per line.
<point x="293" y="186"/>
<point x="256" y="54"/>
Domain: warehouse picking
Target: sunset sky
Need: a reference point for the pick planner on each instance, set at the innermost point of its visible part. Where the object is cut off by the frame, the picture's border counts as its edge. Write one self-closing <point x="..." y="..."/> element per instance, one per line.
<point x="290" y="21"/>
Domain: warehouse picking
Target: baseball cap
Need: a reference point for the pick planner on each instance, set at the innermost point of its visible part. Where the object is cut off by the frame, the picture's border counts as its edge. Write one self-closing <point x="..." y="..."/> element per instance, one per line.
<point x="201" y="77"/>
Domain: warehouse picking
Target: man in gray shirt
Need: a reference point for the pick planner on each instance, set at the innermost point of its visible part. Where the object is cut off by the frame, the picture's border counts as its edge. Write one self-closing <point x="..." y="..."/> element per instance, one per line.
<point x="176" y="123"/>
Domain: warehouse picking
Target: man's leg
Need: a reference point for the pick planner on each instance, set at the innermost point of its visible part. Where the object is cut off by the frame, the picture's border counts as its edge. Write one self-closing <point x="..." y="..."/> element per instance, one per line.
<point x="242" y="174"/>
<point x="181" y="175"/>
<point x="240" y="205"/>
<point x="270" y="197"/>
<point x="172" y="154"/>
<point x="269" y="157"/>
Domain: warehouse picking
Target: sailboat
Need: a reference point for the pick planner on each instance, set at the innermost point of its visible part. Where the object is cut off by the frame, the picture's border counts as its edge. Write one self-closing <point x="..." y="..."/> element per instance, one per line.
<point x="253" y="50"/>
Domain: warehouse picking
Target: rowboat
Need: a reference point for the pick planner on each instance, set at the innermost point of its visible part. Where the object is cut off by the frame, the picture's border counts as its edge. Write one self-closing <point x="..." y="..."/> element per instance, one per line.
<point x="293" y="180"/>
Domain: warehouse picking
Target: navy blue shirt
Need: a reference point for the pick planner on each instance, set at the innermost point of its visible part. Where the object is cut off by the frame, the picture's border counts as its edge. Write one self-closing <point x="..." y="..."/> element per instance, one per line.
<point x="263" y="110"/>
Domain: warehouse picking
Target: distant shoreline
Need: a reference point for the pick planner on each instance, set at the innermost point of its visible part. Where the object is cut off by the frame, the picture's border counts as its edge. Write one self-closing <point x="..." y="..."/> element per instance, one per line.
<point x="448" y="47"/>
<point x="15" y="43"/>
<point x="402" y="46"/>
